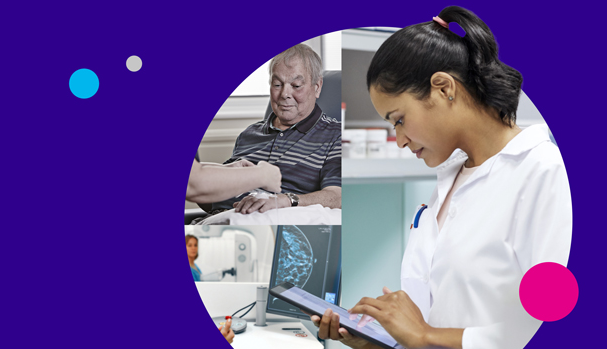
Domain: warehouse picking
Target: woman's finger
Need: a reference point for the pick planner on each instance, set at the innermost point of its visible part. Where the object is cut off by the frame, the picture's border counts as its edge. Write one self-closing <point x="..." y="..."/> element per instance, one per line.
<point x="376" y="303"/>
<point x="367" y="309"/>
<point x="325" y="322"/>
<point x="386" y="290"/>
<point x="315" y="320"/>
<point x="228" y="325"/>
<point x="364" y="302"/>
<point x="364" y="320"/>
<point x="345" y="334"/>
<point x="230" y="337"/>
<point x="334" y="331"/>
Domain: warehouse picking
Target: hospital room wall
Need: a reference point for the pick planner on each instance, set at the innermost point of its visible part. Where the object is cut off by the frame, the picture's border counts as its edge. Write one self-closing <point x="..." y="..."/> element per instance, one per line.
<point x="375" y="224"/>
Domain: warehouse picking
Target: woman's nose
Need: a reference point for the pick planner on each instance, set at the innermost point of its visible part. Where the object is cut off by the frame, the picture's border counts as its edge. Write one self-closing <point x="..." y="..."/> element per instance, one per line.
<point x="401" y="139"/>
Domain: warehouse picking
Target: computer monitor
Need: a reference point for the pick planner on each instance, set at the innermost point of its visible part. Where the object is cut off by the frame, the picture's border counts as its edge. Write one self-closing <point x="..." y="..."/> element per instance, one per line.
<point x="309" y="257"/>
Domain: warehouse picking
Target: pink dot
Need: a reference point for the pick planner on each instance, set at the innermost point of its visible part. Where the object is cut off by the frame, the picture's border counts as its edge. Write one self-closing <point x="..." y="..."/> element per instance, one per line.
<point x="548" y="291"/>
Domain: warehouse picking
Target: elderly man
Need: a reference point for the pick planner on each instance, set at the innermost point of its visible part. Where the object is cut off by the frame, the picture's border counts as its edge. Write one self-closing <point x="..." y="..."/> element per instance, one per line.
<point x="297" y="137"/>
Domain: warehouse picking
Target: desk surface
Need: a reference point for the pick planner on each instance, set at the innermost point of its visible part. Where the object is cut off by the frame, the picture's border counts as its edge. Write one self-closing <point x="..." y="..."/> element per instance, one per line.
<point x="273" y="336"/>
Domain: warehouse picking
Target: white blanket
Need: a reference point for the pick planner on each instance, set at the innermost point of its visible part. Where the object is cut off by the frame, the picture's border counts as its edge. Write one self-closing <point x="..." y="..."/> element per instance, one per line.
<point x="305" y="215"/>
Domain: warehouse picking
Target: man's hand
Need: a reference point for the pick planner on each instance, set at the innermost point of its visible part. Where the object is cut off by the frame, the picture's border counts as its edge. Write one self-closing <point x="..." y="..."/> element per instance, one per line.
<point x="252" y="203"/>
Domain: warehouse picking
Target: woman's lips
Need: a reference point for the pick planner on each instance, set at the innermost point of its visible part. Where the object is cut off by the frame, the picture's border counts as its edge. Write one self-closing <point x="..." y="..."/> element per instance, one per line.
<point x="418" y="152"/>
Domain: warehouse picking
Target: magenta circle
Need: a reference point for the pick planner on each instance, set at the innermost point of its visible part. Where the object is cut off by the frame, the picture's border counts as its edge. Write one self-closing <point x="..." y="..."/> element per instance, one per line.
<point x="548" y="291"/>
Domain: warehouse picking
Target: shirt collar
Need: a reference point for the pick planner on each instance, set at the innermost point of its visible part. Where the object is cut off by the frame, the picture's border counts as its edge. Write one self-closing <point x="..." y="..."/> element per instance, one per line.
<point x="302" y="126"/>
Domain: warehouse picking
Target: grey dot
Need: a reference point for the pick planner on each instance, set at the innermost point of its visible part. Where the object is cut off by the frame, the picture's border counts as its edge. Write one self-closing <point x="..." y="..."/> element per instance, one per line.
<point x="134" y="63"/>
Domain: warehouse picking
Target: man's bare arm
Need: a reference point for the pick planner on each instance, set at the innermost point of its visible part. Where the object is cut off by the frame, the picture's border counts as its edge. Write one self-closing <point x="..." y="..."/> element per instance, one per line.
<point x="327" y="197"/>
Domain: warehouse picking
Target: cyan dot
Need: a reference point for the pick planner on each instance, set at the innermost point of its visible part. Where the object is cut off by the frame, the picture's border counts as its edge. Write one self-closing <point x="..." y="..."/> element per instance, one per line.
<point x="84" y="83"/>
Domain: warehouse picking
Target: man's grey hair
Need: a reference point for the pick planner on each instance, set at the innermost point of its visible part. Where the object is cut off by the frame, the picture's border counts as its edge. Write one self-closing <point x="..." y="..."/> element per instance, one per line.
<point x="310" y="59"/>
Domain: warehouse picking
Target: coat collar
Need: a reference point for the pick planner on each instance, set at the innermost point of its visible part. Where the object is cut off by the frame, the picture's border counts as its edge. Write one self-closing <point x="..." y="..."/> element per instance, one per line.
<point x="526" y="140"/>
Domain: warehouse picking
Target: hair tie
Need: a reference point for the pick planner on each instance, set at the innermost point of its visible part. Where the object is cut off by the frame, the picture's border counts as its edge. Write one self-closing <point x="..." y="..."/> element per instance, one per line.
<point x="440" y="21"/>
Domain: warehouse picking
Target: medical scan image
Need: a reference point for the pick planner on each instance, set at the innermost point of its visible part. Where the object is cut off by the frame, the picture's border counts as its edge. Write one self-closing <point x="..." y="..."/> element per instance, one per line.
<point x="295" y="259"/>
<point x="306" y="257"/>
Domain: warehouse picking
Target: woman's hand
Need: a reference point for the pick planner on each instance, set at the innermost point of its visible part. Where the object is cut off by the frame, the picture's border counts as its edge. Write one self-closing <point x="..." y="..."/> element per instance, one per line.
<point x="240" y="163"/>
<point x="328" y="328"/>
<point x="271" y="177"/>
<point x="227" y="332"/>
<point x="398" y="315"/>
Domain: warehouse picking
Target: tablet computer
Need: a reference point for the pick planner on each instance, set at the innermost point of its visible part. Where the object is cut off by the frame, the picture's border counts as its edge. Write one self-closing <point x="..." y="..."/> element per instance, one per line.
<point x="373" y="332"/>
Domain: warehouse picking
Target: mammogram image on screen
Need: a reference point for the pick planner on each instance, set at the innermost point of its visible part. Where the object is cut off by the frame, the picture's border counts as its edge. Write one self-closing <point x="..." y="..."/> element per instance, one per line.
<point x="295" y="260"/>
<point x="301" y="258"/>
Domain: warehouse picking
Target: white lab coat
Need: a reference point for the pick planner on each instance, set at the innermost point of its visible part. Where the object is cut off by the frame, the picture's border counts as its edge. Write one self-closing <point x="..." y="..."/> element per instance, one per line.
<point x="512" y="213"/>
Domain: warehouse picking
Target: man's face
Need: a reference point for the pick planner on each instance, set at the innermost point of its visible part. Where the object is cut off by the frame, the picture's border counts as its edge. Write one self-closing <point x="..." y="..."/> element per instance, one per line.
<point x="292" y="92"/>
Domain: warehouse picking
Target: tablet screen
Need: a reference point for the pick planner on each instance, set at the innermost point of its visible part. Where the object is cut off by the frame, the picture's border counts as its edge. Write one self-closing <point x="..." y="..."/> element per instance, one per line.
<point x="373" y="330"/>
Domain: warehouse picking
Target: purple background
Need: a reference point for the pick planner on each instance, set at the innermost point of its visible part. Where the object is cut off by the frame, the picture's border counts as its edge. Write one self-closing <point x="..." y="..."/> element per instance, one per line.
<point x="93" y="190"/>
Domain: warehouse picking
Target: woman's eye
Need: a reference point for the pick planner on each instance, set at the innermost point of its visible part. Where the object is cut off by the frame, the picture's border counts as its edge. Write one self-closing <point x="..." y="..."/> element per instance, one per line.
<point x="399" y="122"/>
<point x="296" y="86"/>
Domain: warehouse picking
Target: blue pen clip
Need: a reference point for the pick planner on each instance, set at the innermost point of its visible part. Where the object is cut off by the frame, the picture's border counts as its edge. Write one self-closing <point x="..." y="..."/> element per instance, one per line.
<point x="418" y="215"/>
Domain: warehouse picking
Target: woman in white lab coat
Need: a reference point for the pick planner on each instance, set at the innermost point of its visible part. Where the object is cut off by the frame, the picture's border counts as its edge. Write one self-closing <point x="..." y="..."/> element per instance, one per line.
<point x="502" y="202"/>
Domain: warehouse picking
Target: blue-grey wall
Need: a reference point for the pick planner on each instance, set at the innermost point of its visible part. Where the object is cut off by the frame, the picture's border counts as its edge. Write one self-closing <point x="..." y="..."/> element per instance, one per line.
<point x="375" y="223"/>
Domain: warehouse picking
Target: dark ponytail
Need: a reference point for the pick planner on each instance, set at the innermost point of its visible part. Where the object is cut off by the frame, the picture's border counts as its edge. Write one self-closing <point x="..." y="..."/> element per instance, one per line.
<point x="406" y="61"/>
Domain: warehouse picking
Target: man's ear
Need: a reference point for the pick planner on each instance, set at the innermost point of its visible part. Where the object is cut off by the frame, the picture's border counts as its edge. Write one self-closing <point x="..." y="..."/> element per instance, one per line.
<point x="318" y="87"/>
<point x="443" y="85"/>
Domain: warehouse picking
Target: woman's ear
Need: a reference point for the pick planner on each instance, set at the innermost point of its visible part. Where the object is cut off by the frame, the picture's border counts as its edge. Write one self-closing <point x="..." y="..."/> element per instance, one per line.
<point x="444" y="85"/>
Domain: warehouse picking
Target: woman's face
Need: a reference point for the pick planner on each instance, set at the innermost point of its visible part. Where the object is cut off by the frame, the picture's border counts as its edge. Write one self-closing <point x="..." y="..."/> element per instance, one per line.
<point x="425" y="130"/>
<point x="192" y="247"/>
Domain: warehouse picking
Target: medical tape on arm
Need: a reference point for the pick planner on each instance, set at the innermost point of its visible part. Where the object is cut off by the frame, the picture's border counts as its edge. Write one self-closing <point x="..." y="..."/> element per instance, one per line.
<point x="263" y="194"/>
